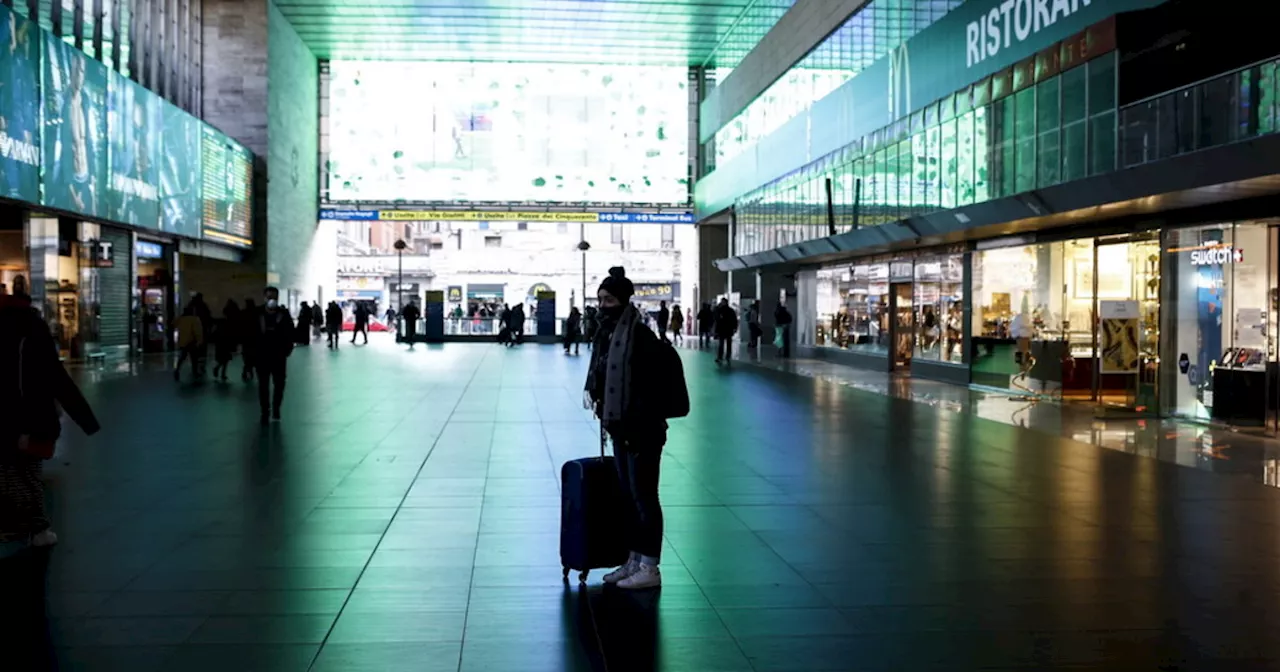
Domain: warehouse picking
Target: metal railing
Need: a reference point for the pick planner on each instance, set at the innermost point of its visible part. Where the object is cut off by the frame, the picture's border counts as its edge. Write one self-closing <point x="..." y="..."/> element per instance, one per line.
<point x="1221" y="110"/>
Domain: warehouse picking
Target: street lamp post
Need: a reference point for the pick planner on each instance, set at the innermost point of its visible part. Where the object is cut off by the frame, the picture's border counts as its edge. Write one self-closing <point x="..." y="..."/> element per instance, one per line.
<point x="400" y="245"/>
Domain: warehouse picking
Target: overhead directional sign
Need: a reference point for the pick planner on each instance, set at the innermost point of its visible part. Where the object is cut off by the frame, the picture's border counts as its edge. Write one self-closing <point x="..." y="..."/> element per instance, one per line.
<point x="481" y="216"/>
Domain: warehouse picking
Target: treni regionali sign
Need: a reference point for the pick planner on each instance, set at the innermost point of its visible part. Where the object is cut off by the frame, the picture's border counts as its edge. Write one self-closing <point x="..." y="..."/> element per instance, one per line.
<point x="504" y="216"/>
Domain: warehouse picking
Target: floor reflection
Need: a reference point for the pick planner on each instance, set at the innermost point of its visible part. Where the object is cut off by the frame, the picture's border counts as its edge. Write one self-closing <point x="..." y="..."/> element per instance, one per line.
<point x="627" y="625"/>
<point x="1215" y="449"/>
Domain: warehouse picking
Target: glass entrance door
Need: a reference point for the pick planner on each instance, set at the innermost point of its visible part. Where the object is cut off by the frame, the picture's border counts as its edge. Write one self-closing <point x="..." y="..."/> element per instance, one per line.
<point x="1126" y="332"/>
<point x="903" y="326"/>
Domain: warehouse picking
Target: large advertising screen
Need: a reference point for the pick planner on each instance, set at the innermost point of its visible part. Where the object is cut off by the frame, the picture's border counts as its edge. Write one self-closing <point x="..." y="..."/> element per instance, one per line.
<point x="227" y="176"/>
<point x="181" y="208"/>
<point x="133" y="139"/>
<point x="19" y="107"/>
<point x="74" y="136"/>
<point x="522" y="132"/>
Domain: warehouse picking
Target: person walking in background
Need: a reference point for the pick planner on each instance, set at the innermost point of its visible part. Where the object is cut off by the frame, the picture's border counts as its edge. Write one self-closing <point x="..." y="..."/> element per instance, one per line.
<point x="573" y="330"/>
<point x="664" y="321"/>
<point x="410" y="316"/>
<point x="590" y="323"/>
<point x="274" y="336"/>
<point x="317" y="320"/>
<point x="247" y="336"/>
<point x="726" y="326"/>
<point x="706" y="321"/>
<point x="190" y="341"/>
<point x="621" y="384"/>
<point x="362" y="322"/>
<point x="677" y="324"/>
<point x="333" y="323"/>
<point x="225" y="332"/>
<point x="33" y="387"/>
<point x="303" y="329"/>
<point x="689" y="322"/>
<point x="755" y="331"/>
<point x="390" y="317"/>
<point x="515" y="320"/>
<point x="782" y="323"/>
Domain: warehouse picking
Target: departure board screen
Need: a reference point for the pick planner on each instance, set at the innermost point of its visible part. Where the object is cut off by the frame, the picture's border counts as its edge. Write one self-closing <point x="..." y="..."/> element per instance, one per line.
<point x="228" y="182"/>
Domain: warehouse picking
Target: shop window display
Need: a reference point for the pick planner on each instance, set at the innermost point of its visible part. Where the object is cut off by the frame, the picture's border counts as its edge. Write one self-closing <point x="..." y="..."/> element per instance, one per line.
<point x="853" y="308"/>
<point x="939" y="306"/>
<point x="1076" y="319"/>
<point x="1222" y="297"/>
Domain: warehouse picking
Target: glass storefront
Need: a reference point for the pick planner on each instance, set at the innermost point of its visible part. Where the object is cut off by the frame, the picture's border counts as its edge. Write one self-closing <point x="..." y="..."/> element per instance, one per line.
<point x="907" y="308"/>
<point x="1076" y="319"/>
<point x="1221" y="284"/>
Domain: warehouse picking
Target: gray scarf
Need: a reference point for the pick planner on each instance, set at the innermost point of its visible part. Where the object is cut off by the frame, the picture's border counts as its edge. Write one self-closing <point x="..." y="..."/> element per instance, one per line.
<point x="617" y="381"/>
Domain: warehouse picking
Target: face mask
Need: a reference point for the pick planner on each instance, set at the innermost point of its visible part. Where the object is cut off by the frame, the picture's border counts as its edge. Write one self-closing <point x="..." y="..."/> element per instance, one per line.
<point x="271" y="304"/>
<point x="612" y="312"/>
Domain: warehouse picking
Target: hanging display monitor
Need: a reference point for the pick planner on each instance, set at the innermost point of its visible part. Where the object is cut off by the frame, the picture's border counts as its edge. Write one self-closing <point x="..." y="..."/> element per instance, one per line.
<point x="74" y="135"/>
<point x="19" y="113"/>
<point x="133" y="140"/>
<point x="181" y="208"/>
<point x="228" y="178"/>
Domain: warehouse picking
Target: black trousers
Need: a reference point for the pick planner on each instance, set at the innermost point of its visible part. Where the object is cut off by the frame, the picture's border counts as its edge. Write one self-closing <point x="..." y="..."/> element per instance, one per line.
<point x="704" y="338"/>
<point x="360" y="329"/>
<point x="410" y="327"/>
<point x="724" y="350"/>
<point x="271" y="370"/>
<point x="638" y="461"/>
<point x="334" y="335"/>
<point x="756" y="333"/>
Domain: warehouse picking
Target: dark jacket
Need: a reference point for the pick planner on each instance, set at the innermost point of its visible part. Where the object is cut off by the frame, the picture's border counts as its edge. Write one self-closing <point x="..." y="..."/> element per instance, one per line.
<point x="706" y="319"/>
<point x="33" y="383"/>
<point x="515" y="318"/>
<point x="362" y="315"/>
<point x="781" y="316"/>
<point x="273" y="335"/>
<point x="641" y="419"/>
<point x="664" y="318"/>
<point x="726" y="321"/>
<point x="333" y="318"/>
<point x="411" y="314"/>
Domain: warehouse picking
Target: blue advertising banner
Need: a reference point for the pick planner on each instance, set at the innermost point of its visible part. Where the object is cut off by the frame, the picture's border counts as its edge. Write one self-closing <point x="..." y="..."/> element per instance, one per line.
<point x="19" y="107"/>
<point x="133" y="149"/>
<point x="74" y="136"/>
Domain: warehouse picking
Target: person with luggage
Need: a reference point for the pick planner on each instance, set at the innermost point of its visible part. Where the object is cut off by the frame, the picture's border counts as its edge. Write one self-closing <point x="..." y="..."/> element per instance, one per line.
<point x="782" y="322"/>
<point x="409" y="317"/>
<point x="274" y="344"/>
<point x="726" y="327"/>
<point x="706" y="320"/>
<point x="625" y="387"/>
<point x="333" y="323"/>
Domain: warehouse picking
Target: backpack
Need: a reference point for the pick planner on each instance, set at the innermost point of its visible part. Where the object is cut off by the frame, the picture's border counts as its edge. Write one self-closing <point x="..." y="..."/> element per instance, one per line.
<point x="673" y="397"/>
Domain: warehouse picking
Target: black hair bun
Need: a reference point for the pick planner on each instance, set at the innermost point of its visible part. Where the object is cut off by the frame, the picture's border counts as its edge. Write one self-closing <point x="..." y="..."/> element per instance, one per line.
<point x="618" y="272"/>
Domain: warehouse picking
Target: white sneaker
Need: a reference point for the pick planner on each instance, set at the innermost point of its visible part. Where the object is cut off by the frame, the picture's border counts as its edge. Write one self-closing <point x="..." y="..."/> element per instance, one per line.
<point x="46" y="538"/>
<point x="647" y="576"/>
<point x="631" y="567"/>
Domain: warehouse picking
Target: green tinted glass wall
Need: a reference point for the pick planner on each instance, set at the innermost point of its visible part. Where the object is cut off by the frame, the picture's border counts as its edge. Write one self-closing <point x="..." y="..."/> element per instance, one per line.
<point x="19" y="107"/>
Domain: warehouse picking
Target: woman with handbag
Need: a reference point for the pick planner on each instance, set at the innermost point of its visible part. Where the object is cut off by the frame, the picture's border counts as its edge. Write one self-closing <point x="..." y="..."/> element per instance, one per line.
<point x="34" y="389"/>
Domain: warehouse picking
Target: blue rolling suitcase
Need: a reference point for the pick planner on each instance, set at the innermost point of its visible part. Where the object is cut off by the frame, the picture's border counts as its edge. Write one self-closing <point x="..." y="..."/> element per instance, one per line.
<point x="590" y="534"/>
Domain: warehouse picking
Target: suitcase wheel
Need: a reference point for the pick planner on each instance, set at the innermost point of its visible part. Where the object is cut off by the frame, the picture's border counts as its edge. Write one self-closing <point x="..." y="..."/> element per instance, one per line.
<point x="582" y="576"/>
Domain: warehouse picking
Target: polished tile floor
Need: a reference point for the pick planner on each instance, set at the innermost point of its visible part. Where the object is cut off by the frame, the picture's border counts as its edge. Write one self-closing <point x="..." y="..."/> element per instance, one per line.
<point x="404" y="516"/>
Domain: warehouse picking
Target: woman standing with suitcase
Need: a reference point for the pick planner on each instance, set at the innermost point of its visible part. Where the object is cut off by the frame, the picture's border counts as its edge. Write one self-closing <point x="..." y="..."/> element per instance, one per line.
<point x="625" y="390"/>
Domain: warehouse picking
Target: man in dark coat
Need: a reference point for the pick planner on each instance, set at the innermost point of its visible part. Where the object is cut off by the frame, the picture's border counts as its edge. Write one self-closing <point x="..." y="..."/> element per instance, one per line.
<point x="362" y="322"/>
<point x="274" y="337"/>
<point x="726" y="321"/>
<point x="410" y="315"/>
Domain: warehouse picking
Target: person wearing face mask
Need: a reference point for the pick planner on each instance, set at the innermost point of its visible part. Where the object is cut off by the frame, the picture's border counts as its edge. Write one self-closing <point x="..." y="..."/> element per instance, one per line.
<point x="275" y="333"/>
<point x="625" y="390"/>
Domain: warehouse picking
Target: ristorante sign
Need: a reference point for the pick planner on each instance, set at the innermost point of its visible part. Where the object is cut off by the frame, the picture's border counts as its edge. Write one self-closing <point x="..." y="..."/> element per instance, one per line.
<point x="1012" y="22"/>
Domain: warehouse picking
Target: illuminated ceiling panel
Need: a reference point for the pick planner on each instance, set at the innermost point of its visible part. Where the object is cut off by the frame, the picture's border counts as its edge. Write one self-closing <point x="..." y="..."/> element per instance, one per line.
<point x="633" y="32"/>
